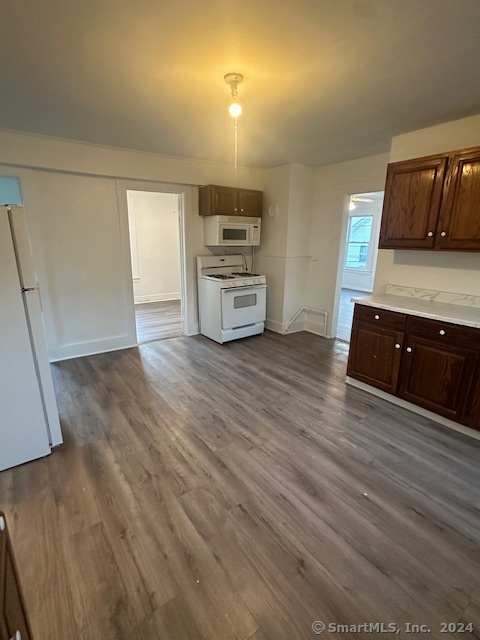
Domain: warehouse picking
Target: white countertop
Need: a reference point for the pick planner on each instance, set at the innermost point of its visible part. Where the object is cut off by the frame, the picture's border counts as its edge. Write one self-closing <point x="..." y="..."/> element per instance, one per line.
<point x="448" y="312"/>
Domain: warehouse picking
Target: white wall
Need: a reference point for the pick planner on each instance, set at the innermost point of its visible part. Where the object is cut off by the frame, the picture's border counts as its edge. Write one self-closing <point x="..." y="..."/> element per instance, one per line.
<point x="271" y="255"/>
<point x="298" y="240"/>
<point x="333" y="186"/>
<point x="155" y="245"/>
<point x="284" y="253"/>
<point x="440" y="270"/>
<point x="76" y="206"/>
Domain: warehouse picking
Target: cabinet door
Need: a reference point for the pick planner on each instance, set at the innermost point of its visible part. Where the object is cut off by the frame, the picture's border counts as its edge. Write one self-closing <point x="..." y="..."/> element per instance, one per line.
<point x="375" y="355"/>
<point x="215" y="200"/>
<point x="413" y="193"/>
<point x="459" y="226"/>
<point x="13" y="617"/>
<point x="250" y="203"/>
<point x="472" y="409"/>
<point x="436" y="376"/>
<point x="225" y="201"/>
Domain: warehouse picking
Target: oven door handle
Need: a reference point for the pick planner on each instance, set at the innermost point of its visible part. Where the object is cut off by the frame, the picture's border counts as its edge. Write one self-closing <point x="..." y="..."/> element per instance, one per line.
<point x="248" y="288"/>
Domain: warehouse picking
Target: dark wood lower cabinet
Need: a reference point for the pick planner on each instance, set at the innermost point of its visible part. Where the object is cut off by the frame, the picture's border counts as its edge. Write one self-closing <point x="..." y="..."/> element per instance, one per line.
<point x="437" y="377"/>
<point x="375" y="355"/>
<point x="431" y="364"/>
<point x="472" y="410"/>
<point x="13" y="617"/>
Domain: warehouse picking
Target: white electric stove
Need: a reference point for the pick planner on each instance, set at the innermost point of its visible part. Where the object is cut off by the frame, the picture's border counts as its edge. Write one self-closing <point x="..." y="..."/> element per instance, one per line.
<point x="231" y="300"/>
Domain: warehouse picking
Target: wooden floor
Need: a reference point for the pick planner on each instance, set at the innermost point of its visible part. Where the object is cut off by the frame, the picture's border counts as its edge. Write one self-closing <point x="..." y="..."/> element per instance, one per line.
<point x="345" y="312"/>
<point x="242" y="491"/>
<point x="158" y="320"/>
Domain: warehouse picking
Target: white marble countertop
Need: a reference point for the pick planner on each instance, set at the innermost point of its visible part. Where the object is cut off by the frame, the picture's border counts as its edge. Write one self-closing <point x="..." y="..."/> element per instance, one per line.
<point x="448" y="312"/>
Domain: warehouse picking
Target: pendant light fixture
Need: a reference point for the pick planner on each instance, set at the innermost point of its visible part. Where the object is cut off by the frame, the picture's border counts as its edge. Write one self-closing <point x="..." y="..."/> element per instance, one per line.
<point x="235" y="108"/>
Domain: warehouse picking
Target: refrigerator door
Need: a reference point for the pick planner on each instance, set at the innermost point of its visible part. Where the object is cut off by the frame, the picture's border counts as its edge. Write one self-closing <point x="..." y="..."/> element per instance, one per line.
<point x="33" y="308"/>
<point x="23" y="432"/>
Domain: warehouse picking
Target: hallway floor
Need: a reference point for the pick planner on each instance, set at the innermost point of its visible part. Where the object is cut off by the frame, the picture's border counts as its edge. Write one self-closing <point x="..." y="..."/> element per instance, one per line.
<point x="345" y="314"/>
<point x="158" y="320"/>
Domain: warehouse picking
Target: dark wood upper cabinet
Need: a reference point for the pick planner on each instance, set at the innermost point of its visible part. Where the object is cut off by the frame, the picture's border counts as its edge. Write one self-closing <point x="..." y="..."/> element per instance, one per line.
<point x="413" y="193"/>
<point x="229" y="201"/>
<point x="459" y="224"/>
<point x="250" y="202"/>
<point x="433" y="203"/>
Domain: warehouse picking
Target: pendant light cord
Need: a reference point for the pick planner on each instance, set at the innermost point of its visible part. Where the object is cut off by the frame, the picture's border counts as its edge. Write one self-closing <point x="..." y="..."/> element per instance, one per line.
<point x="235" y="144"/>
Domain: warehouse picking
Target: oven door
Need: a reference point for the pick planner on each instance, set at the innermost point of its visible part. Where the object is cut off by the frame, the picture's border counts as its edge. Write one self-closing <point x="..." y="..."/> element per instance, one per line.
<point x="242" y="306"/>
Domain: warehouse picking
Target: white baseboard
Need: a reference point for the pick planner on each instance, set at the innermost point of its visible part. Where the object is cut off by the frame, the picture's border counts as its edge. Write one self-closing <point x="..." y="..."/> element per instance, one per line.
<point x="157" y="297"/>
<point x="400" y="402"/>
<point x="274" y="326"/>
<point x="193" y="330"/>
<point x="306" y="319"/>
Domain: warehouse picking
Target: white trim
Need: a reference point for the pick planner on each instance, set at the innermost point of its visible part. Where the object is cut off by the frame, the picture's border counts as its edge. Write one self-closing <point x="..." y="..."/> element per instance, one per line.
<point x="413" y="408"/>
<point x="93" y="347"/>
<point x="157" y="297"/>
<point x="185" y="207"/>
<point x="306" y="319"/>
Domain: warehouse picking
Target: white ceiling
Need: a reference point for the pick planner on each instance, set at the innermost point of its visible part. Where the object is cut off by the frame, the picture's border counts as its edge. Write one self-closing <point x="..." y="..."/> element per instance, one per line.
<point x="325" y="80"/>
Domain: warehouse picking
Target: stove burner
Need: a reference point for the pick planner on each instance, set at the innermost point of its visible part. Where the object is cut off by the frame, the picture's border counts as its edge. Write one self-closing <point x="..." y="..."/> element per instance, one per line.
<point x="222" y="276"/>
<point x="244" y="274"/>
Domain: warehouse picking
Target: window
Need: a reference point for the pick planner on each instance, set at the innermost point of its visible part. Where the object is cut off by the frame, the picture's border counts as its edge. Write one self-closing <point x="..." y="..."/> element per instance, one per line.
<point x="358" y="240"/>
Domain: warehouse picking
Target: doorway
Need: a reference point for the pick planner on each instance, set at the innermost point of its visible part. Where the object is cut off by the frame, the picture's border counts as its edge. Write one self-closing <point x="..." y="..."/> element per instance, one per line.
<point x="358" y="256"/>
<point x="156" y="249"/>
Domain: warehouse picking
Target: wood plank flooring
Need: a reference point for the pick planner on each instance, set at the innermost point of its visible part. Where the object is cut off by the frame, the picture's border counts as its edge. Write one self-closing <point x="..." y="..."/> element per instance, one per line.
<point x="345" y="312"/>
<point x="242" y="491"/>
<point x="158" y="320"/>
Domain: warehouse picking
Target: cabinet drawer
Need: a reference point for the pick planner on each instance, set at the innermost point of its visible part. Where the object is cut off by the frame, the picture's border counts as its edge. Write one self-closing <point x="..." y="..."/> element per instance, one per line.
<point x="444" y="332"/>
<point x="381" y="317"/>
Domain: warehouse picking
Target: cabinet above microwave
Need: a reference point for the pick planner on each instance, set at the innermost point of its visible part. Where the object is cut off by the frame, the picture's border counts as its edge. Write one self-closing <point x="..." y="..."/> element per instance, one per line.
<point x="229" y="201"/>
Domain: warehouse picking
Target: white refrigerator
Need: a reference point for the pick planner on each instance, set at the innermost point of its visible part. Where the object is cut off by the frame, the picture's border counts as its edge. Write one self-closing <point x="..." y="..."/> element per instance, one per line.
<point x="29" y="423"/>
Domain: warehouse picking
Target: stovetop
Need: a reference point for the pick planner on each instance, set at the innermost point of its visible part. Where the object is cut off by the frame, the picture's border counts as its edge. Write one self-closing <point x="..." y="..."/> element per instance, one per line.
<point x="225" y="272"/>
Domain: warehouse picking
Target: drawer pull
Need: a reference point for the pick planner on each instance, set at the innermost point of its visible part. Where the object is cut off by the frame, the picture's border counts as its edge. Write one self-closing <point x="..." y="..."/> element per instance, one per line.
<point x="2" y="523"/>
<point x="377" y="317"/>
<point x="430" y="234"/>
<point x="443" y="234"/>
<point x="409" y="349"/>
<point x="442" y="332"/>
<point x="397" y="346"/>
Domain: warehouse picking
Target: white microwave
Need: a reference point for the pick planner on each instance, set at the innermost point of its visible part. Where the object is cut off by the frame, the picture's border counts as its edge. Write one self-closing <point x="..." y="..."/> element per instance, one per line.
<point x="231" y="231"/>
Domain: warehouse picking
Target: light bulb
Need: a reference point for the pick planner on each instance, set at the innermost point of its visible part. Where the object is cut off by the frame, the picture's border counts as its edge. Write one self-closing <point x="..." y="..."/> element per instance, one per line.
<point x="235" y="109"/>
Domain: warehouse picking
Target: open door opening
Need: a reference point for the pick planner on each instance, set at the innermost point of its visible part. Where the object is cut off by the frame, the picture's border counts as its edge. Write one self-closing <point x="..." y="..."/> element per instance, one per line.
<point x="358" y="256"/>
<point x="156" y="246"/>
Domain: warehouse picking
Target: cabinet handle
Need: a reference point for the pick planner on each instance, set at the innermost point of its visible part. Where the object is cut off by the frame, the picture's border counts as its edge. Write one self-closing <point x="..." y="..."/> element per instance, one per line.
<point x="442" y="332"/>
<point x="241" y="209"/>
<point x="409" y="349"/>
<point x="443" y="234"/>
<point x="430" y="234"/>
<point x="17" y="636"/>
<point x="397" y="346"/>
<point x="377" y="317"/>
<point x="2" y="523"/>
<point x="235" y="209"/>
